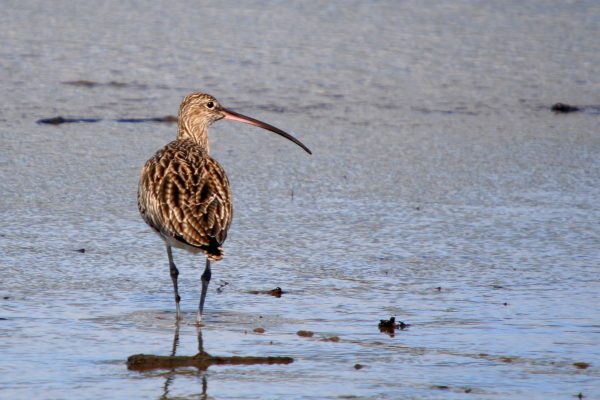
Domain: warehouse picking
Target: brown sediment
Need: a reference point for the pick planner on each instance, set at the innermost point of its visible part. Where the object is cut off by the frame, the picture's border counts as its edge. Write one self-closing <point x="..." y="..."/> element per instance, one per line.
<point x="277" y="292"/>
<point x="334" y="339"/>
<point x="259" y="330"/>
<point x="82" y="82"/>
<point x="581" y="365"/>
<point x="144" y="362"/>
<point x="305" y="333"/>
<point x="169" y="118"/>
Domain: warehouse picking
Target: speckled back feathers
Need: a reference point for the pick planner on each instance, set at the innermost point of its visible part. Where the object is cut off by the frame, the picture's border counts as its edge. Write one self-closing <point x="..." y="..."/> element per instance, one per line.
<point x="184" y="195"/>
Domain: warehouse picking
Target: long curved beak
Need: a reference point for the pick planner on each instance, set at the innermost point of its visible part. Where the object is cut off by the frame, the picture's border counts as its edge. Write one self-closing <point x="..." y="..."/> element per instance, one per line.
<point x="233" y="116"/>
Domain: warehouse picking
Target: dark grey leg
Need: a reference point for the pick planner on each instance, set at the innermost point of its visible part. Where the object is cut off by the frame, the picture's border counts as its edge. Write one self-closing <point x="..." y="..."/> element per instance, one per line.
<point x="200" y="341"/>
<point x="174" y="274"/>
<point x="205" y="280"/>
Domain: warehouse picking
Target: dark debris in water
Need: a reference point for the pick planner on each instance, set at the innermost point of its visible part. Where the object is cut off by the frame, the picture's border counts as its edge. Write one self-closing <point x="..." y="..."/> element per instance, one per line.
<point x="119" y="85"/>
<point x="455" y="111"/>
<point x="563" y="108"/>
<point x="358" y="366"/>
<point x="62" y="120"/>
<point x="305" y="333"/>
<point x="389" y="326"/>
<point x="277" y="292"/>
<point x="221" y="287"/>
<point x="259" y="330"/>
<point x="82" y="82"/>
<point x="446" y="387"/>
<point x="167" y="118"/>
<point x="581" y="365"/>
<point x="334" y="339"/>
<point x="145" y="362"/>
<point x="80" y="250"/>
<point x="170" y="119"/>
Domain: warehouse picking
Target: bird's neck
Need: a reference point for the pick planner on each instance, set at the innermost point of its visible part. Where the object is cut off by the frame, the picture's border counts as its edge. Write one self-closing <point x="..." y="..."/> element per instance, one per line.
<point x="197" y="133"/>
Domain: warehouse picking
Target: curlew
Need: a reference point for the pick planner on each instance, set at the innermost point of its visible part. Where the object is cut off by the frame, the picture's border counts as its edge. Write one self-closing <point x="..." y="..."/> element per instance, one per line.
<point x="184" y="194"/>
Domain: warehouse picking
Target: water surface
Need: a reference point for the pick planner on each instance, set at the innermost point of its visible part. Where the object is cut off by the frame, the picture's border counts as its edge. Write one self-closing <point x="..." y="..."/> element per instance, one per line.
<point x="442" y="191"/>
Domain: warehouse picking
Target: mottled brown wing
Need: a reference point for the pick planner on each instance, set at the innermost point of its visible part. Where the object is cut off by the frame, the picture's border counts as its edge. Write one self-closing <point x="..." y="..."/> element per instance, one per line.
<point x="184" y="194"/>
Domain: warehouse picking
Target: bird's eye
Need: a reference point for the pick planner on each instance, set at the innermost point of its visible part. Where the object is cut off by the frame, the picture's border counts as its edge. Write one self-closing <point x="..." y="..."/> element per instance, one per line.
<point x="210" y="105"/>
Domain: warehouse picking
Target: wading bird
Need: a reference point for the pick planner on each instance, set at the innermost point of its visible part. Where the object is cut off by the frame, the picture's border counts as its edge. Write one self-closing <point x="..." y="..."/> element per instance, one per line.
<point x="184" y="194"/>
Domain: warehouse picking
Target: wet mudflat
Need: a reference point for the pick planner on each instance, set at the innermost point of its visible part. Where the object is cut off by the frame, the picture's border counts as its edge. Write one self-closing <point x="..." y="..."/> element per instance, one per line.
<point x="443" y="191"/>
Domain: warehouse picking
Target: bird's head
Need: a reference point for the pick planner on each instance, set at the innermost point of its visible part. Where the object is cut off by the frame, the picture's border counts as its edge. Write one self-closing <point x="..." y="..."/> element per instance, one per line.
<point x="200" y="110"/>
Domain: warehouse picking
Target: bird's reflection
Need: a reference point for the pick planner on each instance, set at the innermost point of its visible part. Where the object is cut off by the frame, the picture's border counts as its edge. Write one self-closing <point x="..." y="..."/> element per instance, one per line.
<point x="170" y="376"/>
<point x="173" y="363"/>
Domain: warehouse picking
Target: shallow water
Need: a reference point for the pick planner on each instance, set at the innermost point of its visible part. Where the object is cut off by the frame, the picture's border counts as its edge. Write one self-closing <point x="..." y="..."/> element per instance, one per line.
<point x="442" y="191"/>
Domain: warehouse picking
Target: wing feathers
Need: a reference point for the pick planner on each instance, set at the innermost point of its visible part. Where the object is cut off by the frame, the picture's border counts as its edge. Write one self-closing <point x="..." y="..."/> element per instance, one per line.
<point x="184" y="193"/>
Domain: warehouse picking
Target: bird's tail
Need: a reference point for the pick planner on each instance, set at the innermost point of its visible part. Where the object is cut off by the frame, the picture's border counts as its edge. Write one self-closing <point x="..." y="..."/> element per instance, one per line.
<point x="213" y="251"/>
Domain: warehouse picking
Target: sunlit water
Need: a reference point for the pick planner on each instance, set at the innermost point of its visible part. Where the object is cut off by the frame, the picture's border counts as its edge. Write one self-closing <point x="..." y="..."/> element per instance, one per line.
<point x="442" y="191"/>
